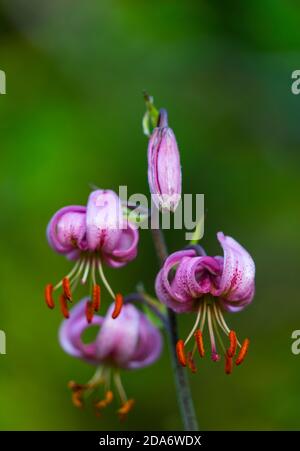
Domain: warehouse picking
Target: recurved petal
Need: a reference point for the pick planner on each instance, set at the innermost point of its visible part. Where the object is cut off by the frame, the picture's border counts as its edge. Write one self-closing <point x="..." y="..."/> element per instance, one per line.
<point x="118" y="338"/>
<point x="172" y="263"/>
<point x="149" y="345"/>
<point x="66" y="230"/>
<point x="126" y="248"/>
<point x="236" y="306"/>
<point x="195" y="275"/>
<point x="237" y="282"/>
<point x="71" y="330"/>
<point x="169" y="292"/>
<point x="104" y="220"/>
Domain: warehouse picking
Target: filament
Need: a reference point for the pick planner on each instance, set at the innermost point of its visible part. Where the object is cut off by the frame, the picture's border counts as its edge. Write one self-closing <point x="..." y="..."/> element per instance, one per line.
<point x="215" y="327"/>
<point x="93" y="272"/>
<point x="73" y="270"/>
<point x="120" y="388"/>
<point x="104" y="280"/>
<point x="212" y="336"/>
<point x="203" y="316"/>
<point x="86" y="272"/>
<point x="195" y="325"/>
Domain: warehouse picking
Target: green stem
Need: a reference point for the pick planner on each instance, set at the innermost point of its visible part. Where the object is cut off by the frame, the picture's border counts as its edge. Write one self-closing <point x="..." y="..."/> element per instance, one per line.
<point x="183" y="390"/>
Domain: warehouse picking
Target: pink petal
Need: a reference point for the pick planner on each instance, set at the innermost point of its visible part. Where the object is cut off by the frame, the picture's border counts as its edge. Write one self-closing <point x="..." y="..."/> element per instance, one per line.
<point x="66" y="230"/>
<point x="104" y="220"/>
<point x="118" y="338"/>
<point x="125" y="249"/>
<point x="149" y="345"/>
<point x="238" y="273"/>
<point x="71" y="331"/>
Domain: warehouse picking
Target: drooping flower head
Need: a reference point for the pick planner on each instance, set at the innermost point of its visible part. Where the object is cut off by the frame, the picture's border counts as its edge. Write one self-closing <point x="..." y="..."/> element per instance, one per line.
<point x="126" y="343"/>
<point x="192" y="281"/>
<point x="91" y="236"/>
<point x="164" y="170"/>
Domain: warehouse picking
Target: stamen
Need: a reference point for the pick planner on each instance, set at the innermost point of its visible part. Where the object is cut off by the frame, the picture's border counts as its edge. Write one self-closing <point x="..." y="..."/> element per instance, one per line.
<point x="216" y="330"/>
<point x="48" y="296"/>
<point x="222" y="323"/>
<point x="203" y="316"/>
<point x="120" y="387"/>
<point x="96" y="297"/>
<point x="218" y="318"/>
<point x="191" y="363"/>
<point x="89" y="311"/>
<point x="125" y="409"/>
<point x="118" y="306"/>
<point x="74" y="386"/>
<point x="104" y="280"/>
<point x="64" y="306"/>
<point x="86" y="272"/>
<point x="109" y="396"/>
<point x="233" y="344"/>
<point x="243" y="351"/>
<point x="77" y="398"/>
<point x="73" y="270"/>
<point x="67" y="288"/>
<point x="180" y="352"/>
<point x="228" y="365"/>
<point x="214" y="355"/>
<point x="77" y="393"/>
<point x="199" y="340"/>
<point x="195" y="325"/>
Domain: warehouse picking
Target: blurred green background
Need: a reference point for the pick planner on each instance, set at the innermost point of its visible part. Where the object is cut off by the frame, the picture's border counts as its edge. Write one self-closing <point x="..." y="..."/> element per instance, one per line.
<point x="72" y="116"/>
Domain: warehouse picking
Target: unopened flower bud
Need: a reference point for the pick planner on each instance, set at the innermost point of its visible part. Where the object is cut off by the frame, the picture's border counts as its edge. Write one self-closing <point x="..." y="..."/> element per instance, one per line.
<point x="164" y="170"/>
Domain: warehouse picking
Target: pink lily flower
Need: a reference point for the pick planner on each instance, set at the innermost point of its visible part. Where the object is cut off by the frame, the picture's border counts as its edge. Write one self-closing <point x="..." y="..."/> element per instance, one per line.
<point x="127" y="343"/>
<point x="91" y="236"/>
<point x="208" y="285"/>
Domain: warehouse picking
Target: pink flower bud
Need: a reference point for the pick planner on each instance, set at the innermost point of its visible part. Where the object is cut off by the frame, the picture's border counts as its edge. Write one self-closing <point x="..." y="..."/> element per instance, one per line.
<point x="164" y="170"/>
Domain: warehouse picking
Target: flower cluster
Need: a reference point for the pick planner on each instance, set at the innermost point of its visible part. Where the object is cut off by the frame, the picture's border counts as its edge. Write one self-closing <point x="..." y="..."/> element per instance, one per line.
<point x="189" y="281"/>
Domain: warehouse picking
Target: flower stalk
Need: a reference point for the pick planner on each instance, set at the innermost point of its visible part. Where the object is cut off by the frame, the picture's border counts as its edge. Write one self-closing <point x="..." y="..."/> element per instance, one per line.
<point x="183" y="390"/>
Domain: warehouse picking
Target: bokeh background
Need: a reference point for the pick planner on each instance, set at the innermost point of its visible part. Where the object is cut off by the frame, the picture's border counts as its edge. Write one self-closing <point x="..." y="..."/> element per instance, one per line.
<point x="72" y="116"/>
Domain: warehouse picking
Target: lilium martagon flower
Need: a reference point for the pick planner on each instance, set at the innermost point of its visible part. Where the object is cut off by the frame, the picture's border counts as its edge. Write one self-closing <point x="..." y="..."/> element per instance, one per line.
<point x="190" y="281"/>
<point x="124" y="344"/>
<point x="92" y="236"/>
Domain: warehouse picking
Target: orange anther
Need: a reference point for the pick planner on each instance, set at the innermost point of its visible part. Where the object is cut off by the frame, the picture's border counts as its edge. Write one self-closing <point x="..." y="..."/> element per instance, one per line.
<point x="109" y="396"/>
<point x="64" y="306"/>
<point x="89" y="311"/>
<point x="199" y="340"/>
<point x="243" y="351"/>
<point x="118" y="306"/>
<point x="96" y="297"/>
<point x="67" y="288"/>
<point x="180" y="352"/>
<point x="233" y="344"/>
<point x="191" y="363"/>
<point x="126" y="408"/>
<point x="77" y="398"/>
<point x="228" y="364"/>
<point x="48" y="295"/>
